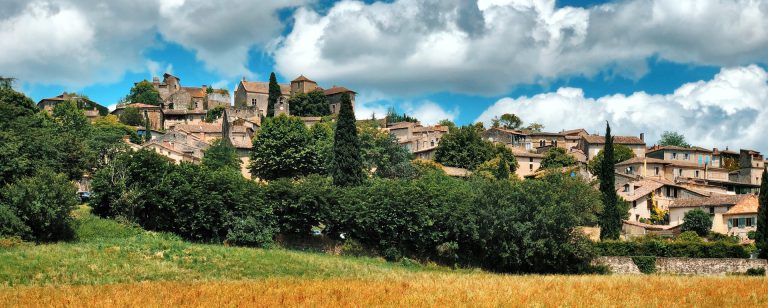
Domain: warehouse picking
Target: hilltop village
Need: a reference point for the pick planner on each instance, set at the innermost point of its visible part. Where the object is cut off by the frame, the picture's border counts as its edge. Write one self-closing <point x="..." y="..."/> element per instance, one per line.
<point x="661" y="183"/>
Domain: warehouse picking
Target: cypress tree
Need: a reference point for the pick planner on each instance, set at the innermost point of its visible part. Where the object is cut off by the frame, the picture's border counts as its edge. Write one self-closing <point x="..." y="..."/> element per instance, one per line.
<point x="502" y="171"/>
<point x="347" y="161"/>
<point x="761" y="236"/>
<point x="610" y="218"/>
<point x="274" y="95"/>
<point x="147" y="129"/>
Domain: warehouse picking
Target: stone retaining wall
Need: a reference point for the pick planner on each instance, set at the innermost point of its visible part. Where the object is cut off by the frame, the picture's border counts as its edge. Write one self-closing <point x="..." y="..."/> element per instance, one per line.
<point x="684" y="266"/>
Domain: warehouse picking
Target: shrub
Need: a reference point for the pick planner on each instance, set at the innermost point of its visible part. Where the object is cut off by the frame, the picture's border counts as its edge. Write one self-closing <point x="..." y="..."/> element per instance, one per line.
<point x="250" y="231"/>
<point x="671" y="249"/>
<point x="646" y="264"/>
<point x="689" y="236"/>
<point x="756" y="271"/>
<point x="751" y="235"/>
<point x="11" y="225"/>
<point x="43" y="204"/>
<point x="698" y="221"/>
<point x="302" y="204"/>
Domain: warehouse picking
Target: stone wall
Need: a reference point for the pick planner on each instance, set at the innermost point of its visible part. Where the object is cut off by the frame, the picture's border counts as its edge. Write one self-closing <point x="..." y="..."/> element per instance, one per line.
<point x="684" y="266"/>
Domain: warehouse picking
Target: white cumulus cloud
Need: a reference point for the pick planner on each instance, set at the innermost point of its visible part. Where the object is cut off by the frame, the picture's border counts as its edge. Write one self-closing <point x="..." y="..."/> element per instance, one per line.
<point x="489" y="46"/>
<point x="729" y="110"/>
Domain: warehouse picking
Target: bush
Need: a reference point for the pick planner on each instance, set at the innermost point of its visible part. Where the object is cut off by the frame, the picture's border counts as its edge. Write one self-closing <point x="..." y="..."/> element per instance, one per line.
<point x="671" y="249"/>
<point x="646" y="264"/>
<point x="751" y="235"/>
<point x="43" y="204"/>
<point x="757" y="271"/>
<point x="11" y="225"/>
<point x="194" y="202"/>
<point x="689" y="236"/>
<point x="698" y="221"/>
<point x="302" y="204"/>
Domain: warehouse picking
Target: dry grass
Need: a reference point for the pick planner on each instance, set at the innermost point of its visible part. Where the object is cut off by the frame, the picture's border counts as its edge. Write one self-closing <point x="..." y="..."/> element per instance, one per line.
<point x="425" y="289"/>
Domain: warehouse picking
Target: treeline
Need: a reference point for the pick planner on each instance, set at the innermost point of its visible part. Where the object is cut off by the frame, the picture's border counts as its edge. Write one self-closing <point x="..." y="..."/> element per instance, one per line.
<point x="501" y="225"/>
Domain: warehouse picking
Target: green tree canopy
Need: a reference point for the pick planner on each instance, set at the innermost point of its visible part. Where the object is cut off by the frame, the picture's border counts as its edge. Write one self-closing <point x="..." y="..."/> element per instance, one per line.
<point x="557" y="158"/>
<point x="463" y="147"/>
<point x="312" y="104"/>
<point x="447" y="123"/>
<point x="220" y="155"/>
<point x="698" y="221"/>
<point x="281" y="149"/>
<point x="347" y="161"/>
<point x="508" y="121"/>
<point x="669" y="138"/>
<point x="535" y="127"/>
<point x="214" y="113"/>
<point x="381" y="152"/>
<point x="620" y="153"/>
<point x="394" y="117"/>
<point x="145" y="93"/>
<point x="132" y="116"/>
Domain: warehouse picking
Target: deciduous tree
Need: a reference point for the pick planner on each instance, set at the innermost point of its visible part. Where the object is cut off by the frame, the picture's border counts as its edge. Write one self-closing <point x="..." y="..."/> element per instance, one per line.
<point x="145" y="93"/>
<point x="557" y="158"/>
<point x="280" y="149"/>
<point x="620" y="153"/>
<point x="669" y="138"/>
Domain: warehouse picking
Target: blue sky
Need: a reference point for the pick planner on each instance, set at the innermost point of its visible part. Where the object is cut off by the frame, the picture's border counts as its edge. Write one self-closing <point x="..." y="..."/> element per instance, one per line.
<point x="645" y="66"/>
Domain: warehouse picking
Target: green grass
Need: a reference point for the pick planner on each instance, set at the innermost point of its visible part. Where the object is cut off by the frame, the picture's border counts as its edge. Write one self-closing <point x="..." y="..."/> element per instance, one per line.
<point x="109" y="252"/>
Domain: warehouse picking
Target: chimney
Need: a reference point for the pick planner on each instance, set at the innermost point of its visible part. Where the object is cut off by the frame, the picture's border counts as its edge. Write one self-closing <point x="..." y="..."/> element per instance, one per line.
<point x="155" y="80"/>
<point x="204" y="88"/>
<point x="642" y="137"/>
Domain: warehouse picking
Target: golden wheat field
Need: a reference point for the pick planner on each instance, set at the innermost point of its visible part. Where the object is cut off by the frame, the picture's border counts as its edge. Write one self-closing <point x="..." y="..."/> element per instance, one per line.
<point x="435" y="290"/>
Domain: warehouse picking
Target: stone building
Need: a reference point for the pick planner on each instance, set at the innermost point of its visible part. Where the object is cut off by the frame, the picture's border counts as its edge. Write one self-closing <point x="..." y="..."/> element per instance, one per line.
<point x="256" y="94"/>
<point x="91" y="109"/>
<point x="155" y="114"/>
<point x="591" y="145"/>
<point x="174" y="96"/>
<point x="731" y="215"/>
<point x="420" y="140"/>
<point x="179" y="146"/>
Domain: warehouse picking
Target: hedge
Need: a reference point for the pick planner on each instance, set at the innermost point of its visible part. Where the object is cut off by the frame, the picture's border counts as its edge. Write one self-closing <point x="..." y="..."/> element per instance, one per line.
<point x="671" y="249"/>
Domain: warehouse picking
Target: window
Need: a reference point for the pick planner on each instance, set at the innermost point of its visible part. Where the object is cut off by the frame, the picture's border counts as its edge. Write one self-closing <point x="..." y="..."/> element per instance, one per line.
<point x="530" y="167"/>
<point x="656" y="170"/>
<point x="742" y="222"/>
<point x="711" y="210"/>
<point x="749" y="221"/>
<point x="541" y="143"/>
<point x="685" y="156"/>
<point x="679" y="172"/>
<point x="669" y="193"/>
<point x="696" y="173"/>
<point x="626" y="187"/>
<point x="530" y="159"/>
<point x="637" y="217"/>
<point x="674" y="155"/>
<point x="634" y="204"/>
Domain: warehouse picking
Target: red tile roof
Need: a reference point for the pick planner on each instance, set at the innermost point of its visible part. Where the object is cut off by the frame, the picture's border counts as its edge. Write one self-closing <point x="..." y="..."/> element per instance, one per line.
<point x="338" y="90"/>
<point x="302" y="78"/>
<point x="616" y="139"/>
<point x="728" y="200"/>
<point x="263" y="87"/>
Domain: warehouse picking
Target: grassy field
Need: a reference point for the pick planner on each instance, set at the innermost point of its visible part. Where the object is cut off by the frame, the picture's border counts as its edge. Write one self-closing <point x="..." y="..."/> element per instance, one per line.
<point x="115" y="265"/>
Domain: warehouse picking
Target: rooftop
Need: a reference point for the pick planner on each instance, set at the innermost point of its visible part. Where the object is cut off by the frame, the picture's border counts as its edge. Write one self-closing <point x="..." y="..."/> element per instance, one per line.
<point x="727" y="200"/>
<point x="596" y="139"/>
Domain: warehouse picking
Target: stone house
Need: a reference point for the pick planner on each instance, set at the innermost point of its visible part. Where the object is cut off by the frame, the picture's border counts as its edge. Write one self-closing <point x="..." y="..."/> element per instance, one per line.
<point x="591" y="145"/>
<point x="256" y="94"/>
<point x="179" y="146"/>
<point x="91" y="109"/>
<point x="203" y="131"/>
<point x="670" y="170"/>
<point x="422" y="141"/>
<point x="643" y="194"/>
<point x="155" y="114"/>
<point x="527" y="163"/>
<point x="173" y="117"/>
<point x="334" y="95"/>
<point x="751" y="165"/>
<point x="512" y="138"/>
<point x="253" y="94"/>
<point x="693" y="155"/>
<point x="546" y="140"/>
<point x="573" y="136"/>
<point x="732" y="214"/>
<point x="174" y="96"/>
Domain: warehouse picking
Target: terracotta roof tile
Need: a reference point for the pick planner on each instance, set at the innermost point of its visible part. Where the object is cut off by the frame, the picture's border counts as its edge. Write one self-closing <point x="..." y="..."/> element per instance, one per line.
<point x="199" y="128"/>
<point x="728" y="200"/>
<point x="640" y="160"/>
<point x="616" y="139"/>
<point x="641" y="188"/>
<point x="263" y="87"/>
<point x="302" y="78"/>
<point x="337" y="90"/>
<point x="747" y="206"/>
